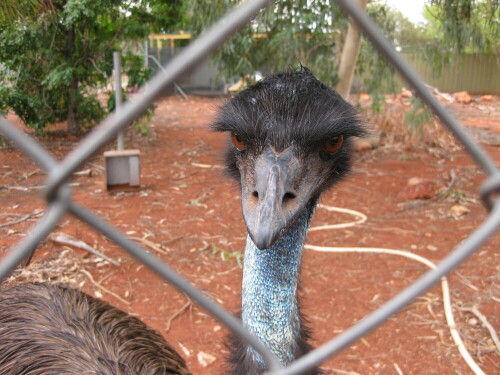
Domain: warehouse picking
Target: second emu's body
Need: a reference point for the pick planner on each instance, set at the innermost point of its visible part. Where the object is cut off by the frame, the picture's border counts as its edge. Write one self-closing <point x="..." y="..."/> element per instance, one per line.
<point x="56" y="330"/>
<point x="290" y="140"/>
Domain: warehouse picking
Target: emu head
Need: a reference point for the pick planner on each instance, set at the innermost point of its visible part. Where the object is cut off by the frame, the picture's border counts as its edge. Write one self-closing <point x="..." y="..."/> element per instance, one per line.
<point x="290" y="140"/>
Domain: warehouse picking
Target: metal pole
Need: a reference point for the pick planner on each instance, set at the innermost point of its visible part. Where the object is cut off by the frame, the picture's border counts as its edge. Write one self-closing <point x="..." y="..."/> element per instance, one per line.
<point x="117" y="63"/>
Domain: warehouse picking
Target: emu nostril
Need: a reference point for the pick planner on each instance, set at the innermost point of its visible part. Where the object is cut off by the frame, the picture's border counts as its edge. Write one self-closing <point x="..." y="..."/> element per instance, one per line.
<point x="256" y="194"/>
<point x="288" y="197"/>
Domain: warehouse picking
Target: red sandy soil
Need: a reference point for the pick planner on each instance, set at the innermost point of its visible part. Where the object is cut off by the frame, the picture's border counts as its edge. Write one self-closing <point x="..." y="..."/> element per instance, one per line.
<point x="191" y="212"/>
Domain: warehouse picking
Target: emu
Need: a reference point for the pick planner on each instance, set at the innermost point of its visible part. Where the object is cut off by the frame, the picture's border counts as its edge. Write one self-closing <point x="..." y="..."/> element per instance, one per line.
<point x="289" y="140"/>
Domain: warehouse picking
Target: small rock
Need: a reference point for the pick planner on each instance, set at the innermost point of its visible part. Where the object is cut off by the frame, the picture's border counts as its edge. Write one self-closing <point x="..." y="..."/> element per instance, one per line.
<point x="458" y="211"/>
<point x="186" y="351"/>
<point x="362" y="145"/>
<point x="373" y="139"/>
<point x="472" y="322"/>
<point x="486" y="98"/>
<point x="406" y="94"/>
<point x="462" y="97"/>
<point x="419" y="188"/>
<point x="445" y="100"/>
<point x="205" y="359"/>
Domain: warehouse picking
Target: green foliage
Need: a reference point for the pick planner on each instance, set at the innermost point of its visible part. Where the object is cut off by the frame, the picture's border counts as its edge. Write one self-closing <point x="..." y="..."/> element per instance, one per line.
<point x="133" y="67"/>
<point x="289" y="33"/>
<point x="12" y="11"/>
<point x="377" y="74"/>
<point x="469" y="26"/>
<point x="226" y="255"/>
<point x="141" y="124"/>
<point x="458" y="196"/>
<point x="166" y="15"/>
<point x="53" y="65"/>
<point x="419" y="115"/>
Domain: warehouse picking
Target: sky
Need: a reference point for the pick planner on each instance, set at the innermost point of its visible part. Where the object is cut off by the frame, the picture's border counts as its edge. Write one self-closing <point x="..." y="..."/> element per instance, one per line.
<point x="411" y="9"/>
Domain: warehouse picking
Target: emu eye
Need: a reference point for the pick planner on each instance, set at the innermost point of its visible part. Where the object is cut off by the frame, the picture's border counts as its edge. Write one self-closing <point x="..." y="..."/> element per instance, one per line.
<point x="334" y="144"/>
<point x="237" y="142"/>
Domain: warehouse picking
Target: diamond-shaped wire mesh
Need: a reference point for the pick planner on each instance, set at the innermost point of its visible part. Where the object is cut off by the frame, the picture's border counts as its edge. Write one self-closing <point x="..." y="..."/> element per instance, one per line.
<point x="58" y="193"/>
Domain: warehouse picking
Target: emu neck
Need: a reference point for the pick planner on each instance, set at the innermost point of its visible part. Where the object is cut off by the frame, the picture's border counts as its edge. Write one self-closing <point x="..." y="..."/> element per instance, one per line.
<point x="269" y="302"/>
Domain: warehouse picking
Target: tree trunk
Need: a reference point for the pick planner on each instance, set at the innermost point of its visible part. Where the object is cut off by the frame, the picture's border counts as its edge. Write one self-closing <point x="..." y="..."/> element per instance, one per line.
<point x="350" y="54"/>
<point x="73" y="127"/>
<point x="72" y="118"/>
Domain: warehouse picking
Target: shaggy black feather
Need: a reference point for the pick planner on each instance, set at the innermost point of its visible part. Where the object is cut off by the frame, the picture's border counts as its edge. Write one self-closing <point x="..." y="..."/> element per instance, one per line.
<point x="55" y="330"/>
<point x="288" y="109"/>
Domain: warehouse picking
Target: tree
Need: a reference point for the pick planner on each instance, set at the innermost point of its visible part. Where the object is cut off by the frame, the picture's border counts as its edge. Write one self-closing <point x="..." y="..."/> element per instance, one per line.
<point x="53" y="61"/>
<point x="379" y="76"/>
<point x="470" y="26"/>
<point x="349" y="56"/>
<point x="11" y="11"/>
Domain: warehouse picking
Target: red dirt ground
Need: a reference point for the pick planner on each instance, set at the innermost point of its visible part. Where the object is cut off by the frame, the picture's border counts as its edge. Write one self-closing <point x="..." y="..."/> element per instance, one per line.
<point x="191" y="212"/>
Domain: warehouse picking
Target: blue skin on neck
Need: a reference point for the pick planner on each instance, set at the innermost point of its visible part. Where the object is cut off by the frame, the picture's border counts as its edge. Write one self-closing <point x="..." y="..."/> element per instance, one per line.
<point x="269" y="299"/>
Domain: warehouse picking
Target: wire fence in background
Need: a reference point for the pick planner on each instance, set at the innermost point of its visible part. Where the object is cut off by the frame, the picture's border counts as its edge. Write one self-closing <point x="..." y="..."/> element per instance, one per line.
<point x="58" y="192"/>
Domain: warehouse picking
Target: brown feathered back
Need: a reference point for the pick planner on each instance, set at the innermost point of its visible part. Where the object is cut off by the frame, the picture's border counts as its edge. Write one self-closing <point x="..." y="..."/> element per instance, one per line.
<point x="51" y="329"/>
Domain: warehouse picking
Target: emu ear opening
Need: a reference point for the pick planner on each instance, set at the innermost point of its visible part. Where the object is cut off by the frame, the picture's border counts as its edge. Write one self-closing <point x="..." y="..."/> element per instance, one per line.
<point x="237" y="142"/>
<point x="334" y="145"/>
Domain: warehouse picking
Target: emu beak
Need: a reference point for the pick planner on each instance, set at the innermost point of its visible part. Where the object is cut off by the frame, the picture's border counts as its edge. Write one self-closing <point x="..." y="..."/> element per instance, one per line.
<point x="270" y="201"/>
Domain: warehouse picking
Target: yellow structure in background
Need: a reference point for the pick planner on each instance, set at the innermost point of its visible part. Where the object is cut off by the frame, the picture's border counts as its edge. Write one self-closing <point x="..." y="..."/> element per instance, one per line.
<point x="159" y="40"/>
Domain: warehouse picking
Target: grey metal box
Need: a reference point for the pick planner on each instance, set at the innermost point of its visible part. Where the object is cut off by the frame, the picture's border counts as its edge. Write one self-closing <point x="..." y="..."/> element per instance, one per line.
<point x="123" y="168"/>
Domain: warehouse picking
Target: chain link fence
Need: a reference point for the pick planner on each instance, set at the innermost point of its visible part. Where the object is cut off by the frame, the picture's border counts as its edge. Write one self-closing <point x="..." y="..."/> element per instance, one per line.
<point x="59" y="199"/>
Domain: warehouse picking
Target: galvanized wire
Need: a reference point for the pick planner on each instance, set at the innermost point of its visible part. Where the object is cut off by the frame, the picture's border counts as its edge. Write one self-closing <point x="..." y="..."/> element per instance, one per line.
<point x="58" y="193"/>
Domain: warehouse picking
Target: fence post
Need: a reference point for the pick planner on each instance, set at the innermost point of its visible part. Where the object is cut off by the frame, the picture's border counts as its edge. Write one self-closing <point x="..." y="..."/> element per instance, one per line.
<point x="117" y="64"/>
